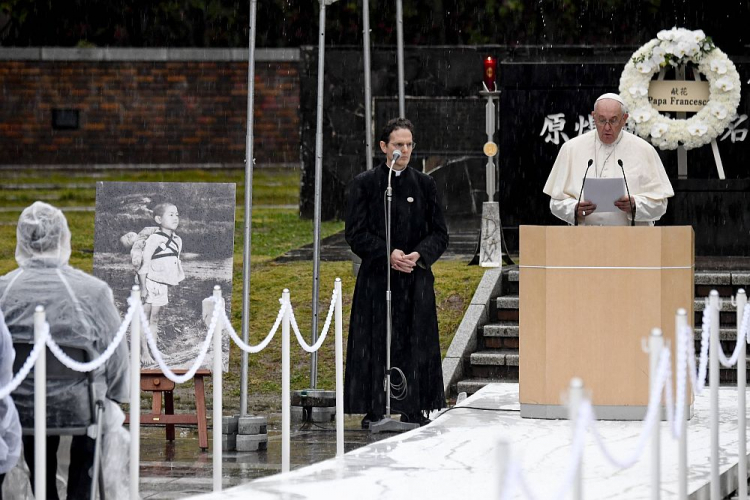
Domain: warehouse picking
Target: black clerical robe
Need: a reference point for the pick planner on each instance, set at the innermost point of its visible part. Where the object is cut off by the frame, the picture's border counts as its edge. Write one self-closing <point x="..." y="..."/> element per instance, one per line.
<point x="417" y="225"/>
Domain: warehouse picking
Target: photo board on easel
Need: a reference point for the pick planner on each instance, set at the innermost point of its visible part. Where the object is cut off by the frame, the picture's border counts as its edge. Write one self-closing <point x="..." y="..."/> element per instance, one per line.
<point x="178" y="239"/>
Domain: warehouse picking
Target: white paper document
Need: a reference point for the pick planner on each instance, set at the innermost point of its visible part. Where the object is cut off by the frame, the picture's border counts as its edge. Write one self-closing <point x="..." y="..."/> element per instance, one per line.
<point x="604" y="193"/>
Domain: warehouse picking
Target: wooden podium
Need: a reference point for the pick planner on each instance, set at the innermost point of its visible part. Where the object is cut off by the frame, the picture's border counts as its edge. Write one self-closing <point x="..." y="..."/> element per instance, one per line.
<point x="588" y="295"/>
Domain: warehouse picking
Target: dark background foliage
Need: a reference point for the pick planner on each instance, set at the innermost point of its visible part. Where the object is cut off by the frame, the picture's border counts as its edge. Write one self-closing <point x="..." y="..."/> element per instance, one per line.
<point x="291" y="23"/>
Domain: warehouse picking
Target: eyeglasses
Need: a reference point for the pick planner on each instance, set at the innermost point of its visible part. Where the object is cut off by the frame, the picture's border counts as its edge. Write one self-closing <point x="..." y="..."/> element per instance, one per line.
<point x="611" y="122"/>
<point x="401" y="145"/>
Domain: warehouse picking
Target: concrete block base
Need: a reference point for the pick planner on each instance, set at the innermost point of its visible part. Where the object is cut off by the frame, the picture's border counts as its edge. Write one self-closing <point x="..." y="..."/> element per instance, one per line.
<point x="252" y="442"/>
<point x="228" y="442"/>
<point x="313" y="414"/>
<point x="252" y="424"/>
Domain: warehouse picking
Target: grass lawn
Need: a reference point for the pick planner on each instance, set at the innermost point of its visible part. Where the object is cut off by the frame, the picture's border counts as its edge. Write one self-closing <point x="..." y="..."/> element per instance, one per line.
<point x="276" y="228"/>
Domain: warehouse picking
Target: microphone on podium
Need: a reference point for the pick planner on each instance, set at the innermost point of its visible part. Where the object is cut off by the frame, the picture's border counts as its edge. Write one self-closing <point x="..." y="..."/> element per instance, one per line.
<point x="632" y="205"/>
<point x="575" y="213"/>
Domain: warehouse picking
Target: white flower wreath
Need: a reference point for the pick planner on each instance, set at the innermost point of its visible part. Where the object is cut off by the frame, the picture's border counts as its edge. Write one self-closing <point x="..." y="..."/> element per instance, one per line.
<point x="676" y="47"/>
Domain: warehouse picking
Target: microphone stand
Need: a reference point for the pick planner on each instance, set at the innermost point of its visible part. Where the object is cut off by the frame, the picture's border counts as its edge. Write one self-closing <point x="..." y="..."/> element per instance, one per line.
<point x="387" y="424"/>
<point x="578" y="203"/>
<point x="630" y="200"/>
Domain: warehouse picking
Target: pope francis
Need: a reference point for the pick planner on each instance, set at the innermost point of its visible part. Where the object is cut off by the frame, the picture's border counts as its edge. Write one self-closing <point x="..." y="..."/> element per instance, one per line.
<point x="609" y="152"/>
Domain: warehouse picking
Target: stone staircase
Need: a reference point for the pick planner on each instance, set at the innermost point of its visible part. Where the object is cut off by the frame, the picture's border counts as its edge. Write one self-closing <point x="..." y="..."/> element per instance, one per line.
<point x="496" y="357"/>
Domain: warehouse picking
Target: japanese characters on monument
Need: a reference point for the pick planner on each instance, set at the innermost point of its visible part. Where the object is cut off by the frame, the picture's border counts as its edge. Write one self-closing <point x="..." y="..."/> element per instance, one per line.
<point x="554" y="128"/>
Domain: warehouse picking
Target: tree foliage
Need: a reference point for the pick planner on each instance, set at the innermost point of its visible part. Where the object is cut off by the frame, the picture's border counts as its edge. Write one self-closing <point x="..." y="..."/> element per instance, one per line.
<point x="291" y="23"/>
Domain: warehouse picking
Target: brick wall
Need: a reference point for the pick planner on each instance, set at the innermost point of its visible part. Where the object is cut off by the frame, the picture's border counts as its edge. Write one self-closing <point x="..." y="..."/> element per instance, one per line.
<point x="154" y="106"/>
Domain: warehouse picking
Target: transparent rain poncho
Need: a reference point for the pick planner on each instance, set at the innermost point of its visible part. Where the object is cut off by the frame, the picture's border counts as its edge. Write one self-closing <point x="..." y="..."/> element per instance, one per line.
<point x="79" y="309"/>
<point x="10" y="427"/>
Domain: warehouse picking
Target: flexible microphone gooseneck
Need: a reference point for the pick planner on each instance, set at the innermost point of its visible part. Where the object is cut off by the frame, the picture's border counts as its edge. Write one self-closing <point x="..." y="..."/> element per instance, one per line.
<point x="630" y="200"/>
<point x="575" y="214"/>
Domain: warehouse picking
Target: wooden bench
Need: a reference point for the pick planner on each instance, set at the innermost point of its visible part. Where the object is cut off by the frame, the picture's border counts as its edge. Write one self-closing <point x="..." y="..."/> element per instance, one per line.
<point x="155" y="382"/>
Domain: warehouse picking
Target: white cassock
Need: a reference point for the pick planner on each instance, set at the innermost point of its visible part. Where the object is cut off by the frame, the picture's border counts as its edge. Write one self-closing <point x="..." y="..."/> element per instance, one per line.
<point x="646" y="178"/>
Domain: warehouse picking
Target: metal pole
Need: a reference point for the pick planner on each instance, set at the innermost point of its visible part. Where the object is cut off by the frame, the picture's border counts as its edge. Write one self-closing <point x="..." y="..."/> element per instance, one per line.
<point x="575" y="398"/>
<point x="655" y="346"/>
<point x="318" y="191"/>
<point x="338" y="325"/>
<point x="40" y="407"/>
<point x="135" y="395"/>
<point x="713" y="368"/>
<point x="247" y="249"/>
<point x="400" y="57"/>
<point x="285" y="377"/>
<point x="681" y="323"/>
<point x="389" y="318"/>
<point x="368" y="81"/>
<point x="217" y="402"/>
<point x="741" y="301"/>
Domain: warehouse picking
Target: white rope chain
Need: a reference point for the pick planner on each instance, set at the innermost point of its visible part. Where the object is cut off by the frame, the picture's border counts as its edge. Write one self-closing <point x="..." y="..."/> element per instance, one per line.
<point x="27" y="366"/>
<point x="675" y="416"/>
<point x="103" y="357"/>
<point x="699" y="381"/>
<point x="179" y="379"/>
<point x="135" y="307"/>
<point x="741" y="338"/>
<point x="664" y="373"/>
<point x="326" y="327"/>
<point x="255" y="349"/>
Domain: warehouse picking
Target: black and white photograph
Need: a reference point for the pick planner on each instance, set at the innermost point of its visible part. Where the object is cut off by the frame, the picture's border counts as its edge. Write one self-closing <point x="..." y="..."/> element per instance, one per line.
<point x="175" y="241"/>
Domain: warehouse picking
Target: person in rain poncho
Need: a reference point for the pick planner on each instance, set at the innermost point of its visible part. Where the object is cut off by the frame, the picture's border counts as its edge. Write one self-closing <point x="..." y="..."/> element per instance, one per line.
<point x="10" y="427"/>
<point x="606" y="147"/>
<point x="81" y="313"/>
<point x="419" y="238"/>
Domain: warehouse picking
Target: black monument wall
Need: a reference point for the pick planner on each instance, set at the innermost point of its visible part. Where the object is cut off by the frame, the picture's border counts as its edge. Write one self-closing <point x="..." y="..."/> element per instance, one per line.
<point x="442" y="88"/>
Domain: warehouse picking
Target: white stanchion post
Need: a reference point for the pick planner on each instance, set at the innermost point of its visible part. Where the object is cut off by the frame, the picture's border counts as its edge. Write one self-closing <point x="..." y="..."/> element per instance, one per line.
<point x="503" y="467"/>
<point x="741" y="301"/>
<point x="713" y="367"/>
<point x="135" y="396"/>
<point x="217" y="402"/>
<point x="285" y="391"/>
<point x="575" y="398"/>
<point x="40" y="408"/>
<point x="655" y="346"/>
<point x="339" y="340"/>
<point x="681" y="323"/>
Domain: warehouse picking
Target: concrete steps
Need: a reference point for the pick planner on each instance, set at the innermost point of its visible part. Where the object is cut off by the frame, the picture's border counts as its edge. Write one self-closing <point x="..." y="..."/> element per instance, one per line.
<point x="496" y="358"/>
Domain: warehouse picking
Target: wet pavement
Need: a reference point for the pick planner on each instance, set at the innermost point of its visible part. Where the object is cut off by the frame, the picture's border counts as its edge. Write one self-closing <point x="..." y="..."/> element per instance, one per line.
<point x="179" y="469"/>
<point x="463" y="452"/>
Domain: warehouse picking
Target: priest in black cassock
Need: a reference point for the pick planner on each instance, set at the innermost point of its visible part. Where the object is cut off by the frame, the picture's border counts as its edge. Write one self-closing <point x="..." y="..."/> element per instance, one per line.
<point x="418" y="238"/>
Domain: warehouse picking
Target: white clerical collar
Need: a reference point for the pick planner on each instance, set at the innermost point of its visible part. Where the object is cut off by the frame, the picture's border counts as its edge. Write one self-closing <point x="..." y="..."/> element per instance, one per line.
<point x="398" y="172"/>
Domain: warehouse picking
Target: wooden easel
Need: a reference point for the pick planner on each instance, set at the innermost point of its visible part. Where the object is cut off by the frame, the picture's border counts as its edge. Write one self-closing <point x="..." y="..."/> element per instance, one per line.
<point x="155" y="382"/>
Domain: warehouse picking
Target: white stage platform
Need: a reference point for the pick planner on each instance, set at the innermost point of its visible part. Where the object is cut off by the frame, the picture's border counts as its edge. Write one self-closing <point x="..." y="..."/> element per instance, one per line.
<point x="456" y="456"/>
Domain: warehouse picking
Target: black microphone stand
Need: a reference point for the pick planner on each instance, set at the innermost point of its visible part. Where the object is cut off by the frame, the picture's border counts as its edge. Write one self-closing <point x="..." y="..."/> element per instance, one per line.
<point x="387" y="424"/>
<point x="630" y="200"/>
<point x="583" y="183"/>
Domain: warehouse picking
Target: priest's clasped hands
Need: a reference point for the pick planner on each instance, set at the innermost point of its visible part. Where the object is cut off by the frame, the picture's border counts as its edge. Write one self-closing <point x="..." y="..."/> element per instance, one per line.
<point x="404" y="262"/>
<point x="624" y="203"/>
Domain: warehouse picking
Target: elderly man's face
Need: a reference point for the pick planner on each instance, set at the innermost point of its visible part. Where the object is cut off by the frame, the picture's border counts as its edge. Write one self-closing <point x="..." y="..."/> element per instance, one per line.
<point x="609" y="120"/>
